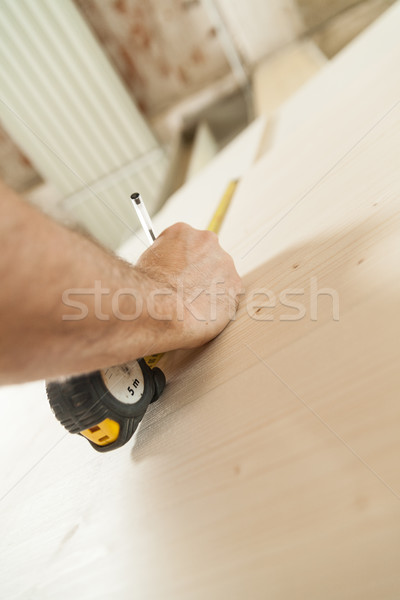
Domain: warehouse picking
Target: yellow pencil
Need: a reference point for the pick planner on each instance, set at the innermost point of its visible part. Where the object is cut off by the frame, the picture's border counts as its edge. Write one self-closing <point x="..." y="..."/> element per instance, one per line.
<point x="220" y="212"/>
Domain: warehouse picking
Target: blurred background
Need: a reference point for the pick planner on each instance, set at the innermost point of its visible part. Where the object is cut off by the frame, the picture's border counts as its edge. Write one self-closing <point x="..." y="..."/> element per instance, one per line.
<point x="100" y="98"/>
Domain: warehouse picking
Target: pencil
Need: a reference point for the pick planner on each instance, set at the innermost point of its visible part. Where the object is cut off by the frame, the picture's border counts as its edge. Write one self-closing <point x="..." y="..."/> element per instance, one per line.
<point x="143" y="216"/>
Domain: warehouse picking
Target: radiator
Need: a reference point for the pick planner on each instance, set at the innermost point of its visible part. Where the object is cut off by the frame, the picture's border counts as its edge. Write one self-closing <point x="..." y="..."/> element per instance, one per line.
<point x="65" y="106"/>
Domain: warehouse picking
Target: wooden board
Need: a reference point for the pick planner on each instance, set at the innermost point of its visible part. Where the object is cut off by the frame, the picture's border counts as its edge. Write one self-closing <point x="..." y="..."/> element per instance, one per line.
<point x="278" y="76"/>
<point x="269" y="468"/>
<point x="333" y="34"/>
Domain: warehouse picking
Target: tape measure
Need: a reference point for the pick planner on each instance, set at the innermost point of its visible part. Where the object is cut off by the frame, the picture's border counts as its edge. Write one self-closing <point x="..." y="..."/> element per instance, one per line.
<point x="107" y="406"/>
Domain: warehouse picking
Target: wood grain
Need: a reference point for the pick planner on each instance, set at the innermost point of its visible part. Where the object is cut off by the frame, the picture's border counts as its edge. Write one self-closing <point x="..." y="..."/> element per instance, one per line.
<point x="269" y="468"/>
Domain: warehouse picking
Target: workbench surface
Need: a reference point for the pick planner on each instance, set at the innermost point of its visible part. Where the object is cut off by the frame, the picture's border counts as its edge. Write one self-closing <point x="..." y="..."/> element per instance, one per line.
<point x="270" y="466"/>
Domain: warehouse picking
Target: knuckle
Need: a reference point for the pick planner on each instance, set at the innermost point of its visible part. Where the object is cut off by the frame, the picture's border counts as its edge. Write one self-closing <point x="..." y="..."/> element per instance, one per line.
<point x="208" y="235"/>
<point x="179" y="226"/>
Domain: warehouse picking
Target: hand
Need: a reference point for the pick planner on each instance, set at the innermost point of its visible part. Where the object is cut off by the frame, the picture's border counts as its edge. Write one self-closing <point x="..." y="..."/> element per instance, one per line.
<point x="203" y="277"/>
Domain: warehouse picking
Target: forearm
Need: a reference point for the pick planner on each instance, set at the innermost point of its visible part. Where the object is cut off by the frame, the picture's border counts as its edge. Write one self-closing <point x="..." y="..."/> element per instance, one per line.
<point x="45" y="269"/>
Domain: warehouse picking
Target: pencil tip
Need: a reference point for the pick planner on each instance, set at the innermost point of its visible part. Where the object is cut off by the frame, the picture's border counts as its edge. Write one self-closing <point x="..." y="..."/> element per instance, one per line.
<point x="136" y="197"/>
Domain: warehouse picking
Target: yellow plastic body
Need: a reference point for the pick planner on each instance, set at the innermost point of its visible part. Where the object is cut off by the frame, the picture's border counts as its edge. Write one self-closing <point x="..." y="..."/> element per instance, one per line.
<point x="103" y="433"/>
<point x="215" y="226"/>
<point x="153" y="359"/>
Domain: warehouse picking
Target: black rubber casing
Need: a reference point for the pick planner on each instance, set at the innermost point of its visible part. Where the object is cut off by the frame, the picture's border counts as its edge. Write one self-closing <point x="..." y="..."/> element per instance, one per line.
<point x="84" y="401"/>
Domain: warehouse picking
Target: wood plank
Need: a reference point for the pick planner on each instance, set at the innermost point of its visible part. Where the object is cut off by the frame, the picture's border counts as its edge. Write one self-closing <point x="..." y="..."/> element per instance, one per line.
<point x="269" y="467"/>
<point x="334" y="34"/>
<point x="318" y="13"/>
<point x="350" y="66"/>
<point x="278" y="76"/>
<point x="204" y="149"/>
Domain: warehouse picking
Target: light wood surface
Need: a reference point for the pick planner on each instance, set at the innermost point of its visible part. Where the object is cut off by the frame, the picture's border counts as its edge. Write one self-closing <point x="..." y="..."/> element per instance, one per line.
<point x="269" y="468"/>
<point x="278" y="76"/>
<point x="333" y="32"/>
